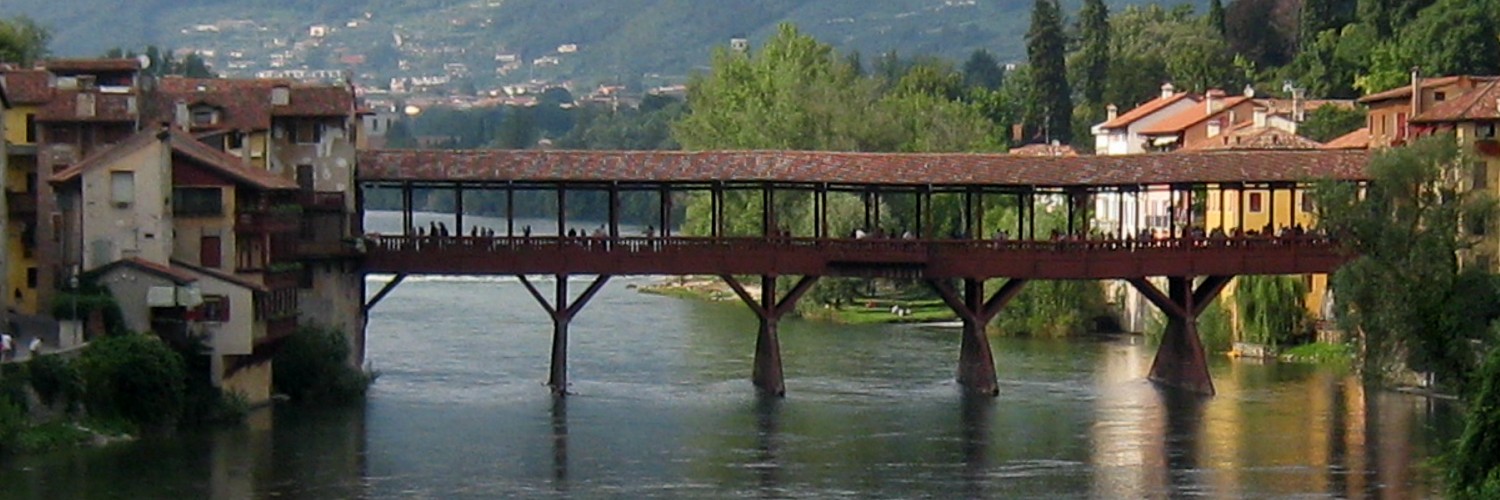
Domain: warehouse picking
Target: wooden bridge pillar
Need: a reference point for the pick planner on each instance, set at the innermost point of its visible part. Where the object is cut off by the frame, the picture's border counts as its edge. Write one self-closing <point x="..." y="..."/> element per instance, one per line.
<point x="562" y="313"/>
<point x="976" y="363"/>
<point x="767" y="374"/>
<point x="1180" y="359"/>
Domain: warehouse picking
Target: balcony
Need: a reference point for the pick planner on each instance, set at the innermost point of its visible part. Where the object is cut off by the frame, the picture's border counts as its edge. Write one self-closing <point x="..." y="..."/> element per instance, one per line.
<point x="17" y="203"/>
<point x="334" y="249"/>
<point x="273" y="220"/>
<point x="323" y="201"/>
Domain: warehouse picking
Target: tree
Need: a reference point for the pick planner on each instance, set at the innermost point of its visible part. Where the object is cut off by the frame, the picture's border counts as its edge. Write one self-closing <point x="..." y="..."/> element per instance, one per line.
<point x="1451" y="37"/>
<point x="23" y="41"/>
<point x="1331" y="122"/>
<point x="1406" y="298"/>
<point x="1316" y="17"/>
<point x="1474" y="468"/>
<point x="1050" y="115"/>
<point x="1263" y="30"/>
<point x="1216" y="16"/>
<point x="981" y="70"/>
<point x="1093" y="28"/>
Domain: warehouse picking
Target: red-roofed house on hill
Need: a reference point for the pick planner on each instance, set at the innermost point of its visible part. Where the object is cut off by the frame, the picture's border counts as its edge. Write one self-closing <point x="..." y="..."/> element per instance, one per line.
<point x="1121" y="133"/>
<point x="1391" y="110"/>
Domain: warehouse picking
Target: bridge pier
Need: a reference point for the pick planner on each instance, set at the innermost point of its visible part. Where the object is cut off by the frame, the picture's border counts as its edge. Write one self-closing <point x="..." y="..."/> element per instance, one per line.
<point x="976" y="363"/>
<point x="767" y="374"/>
<point x="1180" y="359"/>
<point x="562" y="313"/>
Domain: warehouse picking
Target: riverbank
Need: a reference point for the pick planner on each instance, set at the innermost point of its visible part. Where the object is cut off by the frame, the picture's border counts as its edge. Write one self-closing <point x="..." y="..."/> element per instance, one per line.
<point x="863" y="311"/>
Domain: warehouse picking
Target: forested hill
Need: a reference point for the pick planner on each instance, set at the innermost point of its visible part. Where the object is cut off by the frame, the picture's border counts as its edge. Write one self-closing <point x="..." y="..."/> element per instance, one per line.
<point x="614" y="37"/>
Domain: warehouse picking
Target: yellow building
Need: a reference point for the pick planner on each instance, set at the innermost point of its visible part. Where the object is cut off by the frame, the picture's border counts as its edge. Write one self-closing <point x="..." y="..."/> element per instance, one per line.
<point x="28" y="90"/>
<point x="1255" y="210"/>
<point x="1473" y="117"/>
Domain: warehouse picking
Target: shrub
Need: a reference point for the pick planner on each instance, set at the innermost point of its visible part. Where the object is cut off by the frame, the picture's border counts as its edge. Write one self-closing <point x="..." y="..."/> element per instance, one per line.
<point x="135" y="377"/>
<point x="1474" y="467"/>
<point x="313" y="366"/>
<point x="12" y="422"/>
<point x="54" y="377"/>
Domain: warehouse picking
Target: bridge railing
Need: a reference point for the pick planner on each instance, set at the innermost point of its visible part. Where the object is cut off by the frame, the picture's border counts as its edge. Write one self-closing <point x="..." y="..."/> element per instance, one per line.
<point x="676" y="244"/>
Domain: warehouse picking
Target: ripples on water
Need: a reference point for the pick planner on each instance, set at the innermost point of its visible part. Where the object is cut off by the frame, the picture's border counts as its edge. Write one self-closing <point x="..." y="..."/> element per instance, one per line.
<point x="663" y="408"/>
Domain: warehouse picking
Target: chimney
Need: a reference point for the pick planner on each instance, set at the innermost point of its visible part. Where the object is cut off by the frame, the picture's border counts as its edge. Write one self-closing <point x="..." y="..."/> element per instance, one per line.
<point x="1416" y="91"/>
<point x="1298" y="103"/>
<point x="1213" y="100"/>
<point x="1249" y="91"/>
<point x="181" y="118"/>
<point x="281" y="95"/>
<point x="1113" y="111"/>
<point x="1260" y="117"/>
<point x="1167" y="90"/>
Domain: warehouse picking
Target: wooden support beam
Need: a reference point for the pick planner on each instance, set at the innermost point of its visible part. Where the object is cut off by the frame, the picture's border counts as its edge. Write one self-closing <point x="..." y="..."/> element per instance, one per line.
<point x="976" y="362"/>
<point x="767" y="374"/>
<point x="1180" y="359"/>
<point x="562" y="310"/>
<point x="384" y="290"/>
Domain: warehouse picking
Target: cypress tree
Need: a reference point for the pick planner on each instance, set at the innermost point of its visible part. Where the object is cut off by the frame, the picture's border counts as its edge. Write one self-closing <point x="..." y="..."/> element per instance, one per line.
<point x="981" y="70"/>
<point x="1316" y="16"/>
<point x="1216" y="16"/>
<point x="1093" y="27"/>
<point x="1050" y="112"/>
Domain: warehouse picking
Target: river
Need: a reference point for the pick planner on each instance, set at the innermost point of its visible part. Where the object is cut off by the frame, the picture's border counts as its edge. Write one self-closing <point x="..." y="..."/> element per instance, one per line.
<point x="663" y="407"/>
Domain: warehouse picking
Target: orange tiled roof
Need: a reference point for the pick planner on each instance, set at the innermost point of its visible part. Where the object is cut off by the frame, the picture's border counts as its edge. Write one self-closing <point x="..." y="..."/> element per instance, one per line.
<point x="1254" y="138"/>
<point x="1358" y="139"/>
<point x="177" y="276"/>
<point x="220" y="275"/>
<point x="318" y="100"/>
<point x="1187" y="118"/>
<point x="27" y="86"/>
<point x="1481" y="103"/>
<point x="183" y="144"/>
<point x="88" y="65"/>
<point x="1044" y="150"/>
<point x="1404" y="91"/>
<point x="227" y="164"/>
<point x="1147" y="109"/>
<point x="108" y="107"/>
<point x="244" y="104"/>
<point x="812" y="167"/>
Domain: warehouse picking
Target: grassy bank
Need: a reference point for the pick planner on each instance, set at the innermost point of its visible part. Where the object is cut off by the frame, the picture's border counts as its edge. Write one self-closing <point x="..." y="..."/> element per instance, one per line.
<point x="863" y="311"/>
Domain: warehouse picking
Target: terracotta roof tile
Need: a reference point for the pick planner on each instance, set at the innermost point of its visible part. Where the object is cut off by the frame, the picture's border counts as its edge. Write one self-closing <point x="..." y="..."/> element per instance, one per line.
<point x="89" y="65"/>
<point x="1482" y="103"/>
<point x="809" y="167"/>
<point x="1254" y="138"/>
<point x="1187" y="118"/>
<point x="178" y="276"/>
<point x="1358" y="139"/>
<point x="225" y="163"/>
<point x="107" y="155"/>
<point x="318" y="100"/>
<point x="244" y="104"/>
<point x="1044" y="150"/>
<point x="183" y="144"/>
<point x="220" y="275"/>
<point x="27" y="86"/>
<point x="1147" y="109"/>
<point x="1404" y="91"/>
<point x="108" y="107"/>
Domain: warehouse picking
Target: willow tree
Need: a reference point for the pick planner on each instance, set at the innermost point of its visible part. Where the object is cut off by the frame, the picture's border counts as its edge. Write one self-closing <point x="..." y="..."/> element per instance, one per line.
<point x="1407" y="298"/>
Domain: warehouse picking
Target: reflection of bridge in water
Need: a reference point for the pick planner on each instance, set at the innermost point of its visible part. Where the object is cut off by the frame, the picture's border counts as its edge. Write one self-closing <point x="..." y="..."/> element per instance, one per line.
<point x="1195" y="268"/>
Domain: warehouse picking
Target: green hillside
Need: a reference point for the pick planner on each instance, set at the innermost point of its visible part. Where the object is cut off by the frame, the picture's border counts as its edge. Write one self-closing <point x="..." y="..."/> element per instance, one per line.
<point x="616" y="38"/>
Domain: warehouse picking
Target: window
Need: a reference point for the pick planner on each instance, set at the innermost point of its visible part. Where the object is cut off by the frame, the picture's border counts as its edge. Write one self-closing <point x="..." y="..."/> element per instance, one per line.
<point x="308" y="133"/>
<point x="122" y="188"/>
<point x="1479" y="225"/>
<point x="1307" y="203"/>
<point x="1257" y="202"/>
<point x="205" y="116"/>
<point x="197" y="201"/>
<point x="215" y="308"/>
<point x="1439" y="96"/>
<point x="31" y="278"/>
<point x="234" y="140"/>
<point x="1484" y="130"/>
<point x="31" y="128"/>
<point x="1481" y="175"/>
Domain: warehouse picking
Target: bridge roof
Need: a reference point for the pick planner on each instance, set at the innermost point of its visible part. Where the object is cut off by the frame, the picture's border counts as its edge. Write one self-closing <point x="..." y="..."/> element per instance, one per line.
<point x="815" y="167"/>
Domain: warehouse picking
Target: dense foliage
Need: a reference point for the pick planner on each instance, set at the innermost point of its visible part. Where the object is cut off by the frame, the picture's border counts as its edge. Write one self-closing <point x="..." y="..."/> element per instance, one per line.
<point x="1331" y="122"/>
<point x="1406" y="298"/>
<point x="135" y="377"/>
<point x="313" y="366"/>
<point x="22" y="40"/>
<point x="1474" y="466"/>
<point x="1272" y="309"/>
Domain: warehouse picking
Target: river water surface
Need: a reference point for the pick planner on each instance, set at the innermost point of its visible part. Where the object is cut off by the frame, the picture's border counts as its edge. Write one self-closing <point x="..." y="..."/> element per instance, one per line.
<point x="663" y="407"/>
